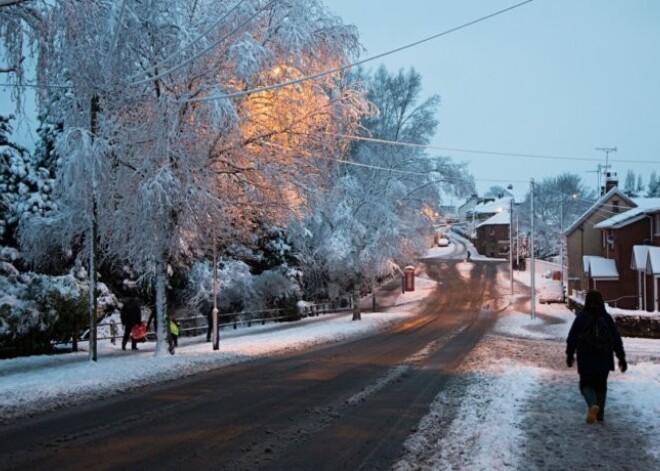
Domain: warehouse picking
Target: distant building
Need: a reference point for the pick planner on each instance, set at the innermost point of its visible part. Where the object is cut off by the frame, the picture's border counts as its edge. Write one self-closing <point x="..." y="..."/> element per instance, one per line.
<point x="582" y="239"/>
<point x="484" y="209"/>
<point x="492" y="235"/>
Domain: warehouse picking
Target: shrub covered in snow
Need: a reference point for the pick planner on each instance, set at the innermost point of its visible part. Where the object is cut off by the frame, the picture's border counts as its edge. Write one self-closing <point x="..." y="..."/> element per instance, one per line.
<point x="239" y="289"/>
<point x="24" y="187"/>
<point x="37" y="310"/>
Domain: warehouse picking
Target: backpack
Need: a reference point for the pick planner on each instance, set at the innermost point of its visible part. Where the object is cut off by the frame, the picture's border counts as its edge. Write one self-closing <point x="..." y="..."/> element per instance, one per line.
<point x="596" y="337"/>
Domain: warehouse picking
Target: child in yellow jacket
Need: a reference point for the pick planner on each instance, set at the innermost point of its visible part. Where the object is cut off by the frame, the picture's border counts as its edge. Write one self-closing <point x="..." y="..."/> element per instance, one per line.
<point x="173" y="327"/>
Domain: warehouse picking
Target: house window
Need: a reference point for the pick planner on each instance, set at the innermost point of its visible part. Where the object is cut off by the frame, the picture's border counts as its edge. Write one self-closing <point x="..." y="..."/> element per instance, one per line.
<point x="656" y="224"/>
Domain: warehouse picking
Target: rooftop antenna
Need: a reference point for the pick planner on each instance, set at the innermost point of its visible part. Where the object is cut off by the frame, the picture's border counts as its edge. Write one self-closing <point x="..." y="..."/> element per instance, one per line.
<point x="607" y="165"/>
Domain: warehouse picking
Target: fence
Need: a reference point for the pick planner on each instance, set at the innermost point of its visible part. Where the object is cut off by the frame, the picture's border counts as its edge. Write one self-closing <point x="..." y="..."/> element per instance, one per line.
<point x="197" y="324"/>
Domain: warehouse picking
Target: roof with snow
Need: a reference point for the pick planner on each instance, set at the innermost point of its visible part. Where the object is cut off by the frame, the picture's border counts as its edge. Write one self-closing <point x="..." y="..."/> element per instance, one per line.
<point x="600" y="268"/>
<point x="639" y="255"/>
<point x="644" y="206"/>
<point x="503" y="218"/>
<point x="597" y="205"/>
<point x="496" y="206"/>
<point x="653" y="261"/>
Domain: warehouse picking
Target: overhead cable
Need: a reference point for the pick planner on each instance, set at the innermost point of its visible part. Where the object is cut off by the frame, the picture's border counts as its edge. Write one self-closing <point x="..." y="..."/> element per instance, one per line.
<point x="355" y="64"/>
<point x="486" y="152"/>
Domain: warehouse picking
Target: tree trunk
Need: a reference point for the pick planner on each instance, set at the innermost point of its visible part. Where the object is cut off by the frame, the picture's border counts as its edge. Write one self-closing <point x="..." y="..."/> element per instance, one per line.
<point x="92" y="287"/>
<point x="357" y="315"/>
<point x="94" y="109"/>
<point x="161" y="309"/>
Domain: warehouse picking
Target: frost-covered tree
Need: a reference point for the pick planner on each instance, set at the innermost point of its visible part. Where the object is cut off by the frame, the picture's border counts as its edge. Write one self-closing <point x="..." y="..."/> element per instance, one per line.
<point x="215" y="168"/>
<point x="630" y="185"/>
<point x="25" y="189"/>
<point x="23" y="28"/>
<point x="653" y="189"/>
<point x="155" y="164"/>
<point x="497" y="191"/>
<point x="558" y="202"/>
<point x="640" y="185"/>
<point x="371" y="216"/>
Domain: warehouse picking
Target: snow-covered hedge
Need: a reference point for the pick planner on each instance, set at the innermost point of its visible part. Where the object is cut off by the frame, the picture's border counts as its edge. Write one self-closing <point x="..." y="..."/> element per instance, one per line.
<point x="37" y="310"/>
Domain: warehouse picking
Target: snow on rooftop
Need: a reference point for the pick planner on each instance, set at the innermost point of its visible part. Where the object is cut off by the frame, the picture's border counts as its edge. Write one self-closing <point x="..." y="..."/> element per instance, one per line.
<point x="600" y="268"/>
<point x="653" y="261"/>
<point x="645" y="205"/>
<point x="496" y="206"/>
<point x="502" y="218"/>
<point x="638" y="259"/>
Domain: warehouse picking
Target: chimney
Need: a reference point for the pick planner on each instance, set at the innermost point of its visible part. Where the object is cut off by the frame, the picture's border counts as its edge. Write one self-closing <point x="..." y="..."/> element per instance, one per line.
<point x="611" y="181"/>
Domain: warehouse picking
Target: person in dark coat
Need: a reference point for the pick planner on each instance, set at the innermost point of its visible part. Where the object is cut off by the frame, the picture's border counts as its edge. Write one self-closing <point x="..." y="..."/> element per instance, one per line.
<point x="153" y="317"/>
<point x="594" y="368"/>
<point x="130" y="317"/>
<point x="206" y="309"/>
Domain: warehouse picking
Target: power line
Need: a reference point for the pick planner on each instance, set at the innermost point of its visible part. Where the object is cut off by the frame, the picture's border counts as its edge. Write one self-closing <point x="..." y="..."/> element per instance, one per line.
<point x="360" y="62"/>
<point x="301" y="79"/>
<point x="395" y="170"/>
<point x="484" y="152"/>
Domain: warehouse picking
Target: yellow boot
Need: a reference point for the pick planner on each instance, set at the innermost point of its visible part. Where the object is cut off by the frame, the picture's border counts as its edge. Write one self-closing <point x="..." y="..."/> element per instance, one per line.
<point x="592" y="413"/>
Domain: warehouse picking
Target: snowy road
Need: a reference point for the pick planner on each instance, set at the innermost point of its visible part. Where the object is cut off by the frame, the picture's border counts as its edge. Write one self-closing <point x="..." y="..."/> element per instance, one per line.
<point x="344" y="406"/>
<point x="416" y="396"/>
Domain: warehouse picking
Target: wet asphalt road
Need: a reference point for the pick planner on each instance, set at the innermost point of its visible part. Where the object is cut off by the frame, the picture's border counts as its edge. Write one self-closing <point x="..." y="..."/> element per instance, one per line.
<point x="342" y="406"/>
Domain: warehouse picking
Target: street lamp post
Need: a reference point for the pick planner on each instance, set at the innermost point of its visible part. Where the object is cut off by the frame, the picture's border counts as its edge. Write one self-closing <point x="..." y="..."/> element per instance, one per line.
<point x="532" y="273"/>
<point x="511" y="242"/>
<point x="215" y="333"/>
<point x="561" y="247"/>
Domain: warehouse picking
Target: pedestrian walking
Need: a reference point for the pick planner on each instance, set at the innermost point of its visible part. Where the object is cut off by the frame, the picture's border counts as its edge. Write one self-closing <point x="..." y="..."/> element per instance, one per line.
<point x="206" y="309"/>
<point x="173" y="330"/>
<point x="596" y="339"/>
<point x="153" y="317"/>
<point x="130" y="317"/>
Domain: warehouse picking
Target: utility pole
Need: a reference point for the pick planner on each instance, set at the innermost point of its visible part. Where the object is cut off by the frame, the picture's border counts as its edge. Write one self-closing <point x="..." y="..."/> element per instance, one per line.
<point x="532" y="274"/>
<point x="561" y="245"/>
<point x="511" y="242"/>
<point x="215" y="333"/>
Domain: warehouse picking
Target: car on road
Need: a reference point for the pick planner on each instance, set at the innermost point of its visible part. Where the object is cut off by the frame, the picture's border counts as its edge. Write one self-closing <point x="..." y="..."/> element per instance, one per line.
<point x="443" y="242"/>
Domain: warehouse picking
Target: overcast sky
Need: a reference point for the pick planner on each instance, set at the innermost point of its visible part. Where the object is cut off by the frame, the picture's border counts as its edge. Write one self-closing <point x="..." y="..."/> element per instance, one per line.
<point x="552" y="77"/>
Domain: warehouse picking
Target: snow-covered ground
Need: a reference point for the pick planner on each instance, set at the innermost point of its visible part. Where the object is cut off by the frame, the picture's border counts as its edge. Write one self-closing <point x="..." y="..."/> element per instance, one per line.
<point x="513" y="404"/>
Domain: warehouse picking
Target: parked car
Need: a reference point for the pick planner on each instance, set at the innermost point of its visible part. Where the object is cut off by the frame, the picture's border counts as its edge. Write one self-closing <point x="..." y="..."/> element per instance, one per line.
<point x="443" y="242"/>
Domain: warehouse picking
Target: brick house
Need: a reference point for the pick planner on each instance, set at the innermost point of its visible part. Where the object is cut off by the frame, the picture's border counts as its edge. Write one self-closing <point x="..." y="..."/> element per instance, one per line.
<point x="582" y="239"/>
<point x="630" y="240"/>
<point x="493" y="237"/>
<point x="485" y="209"/>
